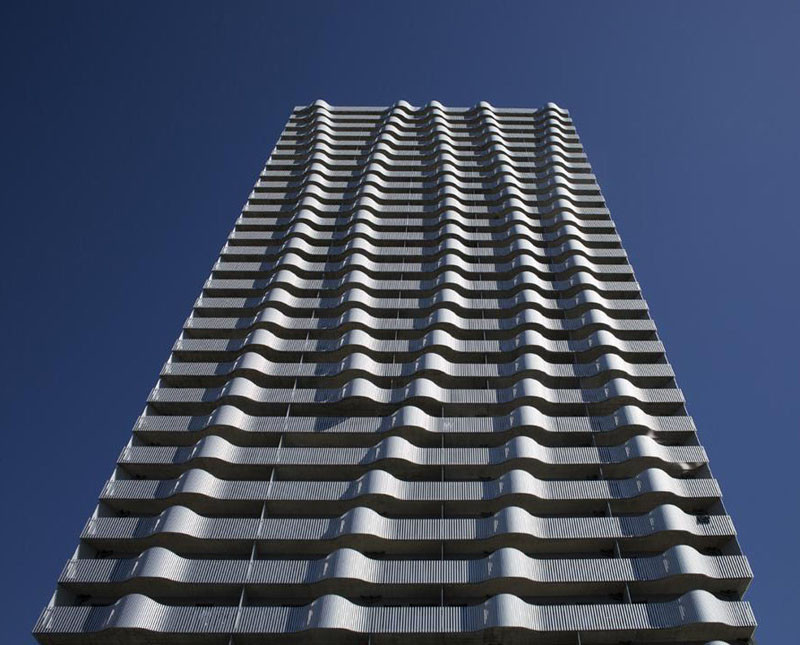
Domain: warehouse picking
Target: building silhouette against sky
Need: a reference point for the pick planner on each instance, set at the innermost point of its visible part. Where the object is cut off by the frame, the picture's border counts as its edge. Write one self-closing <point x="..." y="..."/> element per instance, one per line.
<point x="419" y="400"/>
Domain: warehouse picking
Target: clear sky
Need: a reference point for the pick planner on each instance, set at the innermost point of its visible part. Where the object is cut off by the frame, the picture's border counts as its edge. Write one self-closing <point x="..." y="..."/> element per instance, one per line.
<point x="132" y="134"/>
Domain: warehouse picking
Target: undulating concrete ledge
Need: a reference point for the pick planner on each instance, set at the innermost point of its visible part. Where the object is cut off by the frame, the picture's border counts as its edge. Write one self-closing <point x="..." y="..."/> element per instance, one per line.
<point x="357" y="259"/>
<point x="564" y="210"/>
<point x="389" y="146"/>
<point x="473" y="125"/>
<point x="356" y="278"/>
<point x="223" y="458"/>
<point x="626" y="421"/>
<point x="525" y="391"/>
<point x="581" y="179"/>
<point x="391" y="142"/>
<point x="365" y="529"/>
<point x="553" y="153"/>
<point x="361" y="191"/>
<point x="444" y="297"/>
<point x="576" y="187"/>
<point x="440" y="340"/>
<point x="397" y="131"/>
<point x="470" y="146"/>
<point x="349" y="572"/>
<point x="257" y="368"/>
<point x="366" y="240"/>
<point x="447" y="263"/>
<point x="472" y="122"/>
<point x="324" y="163"/>
<point x="403" y="130"/>
<point x="361" y="229"/>
<point x="569" y="197"/>
<point x="283" y="220"/>
<point x="694" y="616"/>
<point x="431" y="109"/>
<point x="469" y="143"/>
<point x="391" y="138"/>
<point x="379" y="489"/>
<point x="482" y="110"/>
<point x="276" y="213"/>
<point x="469" y="121"/>
<point x="591" y="320"/>
<point x="345" y="165"/>
<point x="449" y="245"/>
<point x="419" y="118"/>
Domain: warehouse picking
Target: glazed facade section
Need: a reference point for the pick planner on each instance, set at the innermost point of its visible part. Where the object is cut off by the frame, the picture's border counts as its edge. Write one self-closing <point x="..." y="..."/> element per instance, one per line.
<point x="420" y="399"/>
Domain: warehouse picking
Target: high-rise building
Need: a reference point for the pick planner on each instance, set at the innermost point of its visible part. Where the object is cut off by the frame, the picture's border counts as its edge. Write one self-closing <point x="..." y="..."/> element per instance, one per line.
<point x="420" y="400"/>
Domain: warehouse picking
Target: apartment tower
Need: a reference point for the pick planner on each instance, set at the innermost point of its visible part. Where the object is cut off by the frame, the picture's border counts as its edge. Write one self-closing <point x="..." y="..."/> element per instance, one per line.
<point x="419" y="400"/>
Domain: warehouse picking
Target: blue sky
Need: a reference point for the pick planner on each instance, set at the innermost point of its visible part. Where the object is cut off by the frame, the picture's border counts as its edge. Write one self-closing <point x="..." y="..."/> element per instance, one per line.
<point x="133" y="133"/>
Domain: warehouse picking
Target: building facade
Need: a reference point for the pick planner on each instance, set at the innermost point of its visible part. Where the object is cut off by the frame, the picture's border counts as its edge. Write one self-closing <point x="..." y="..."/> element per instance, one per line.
<point x="419" y="400"/>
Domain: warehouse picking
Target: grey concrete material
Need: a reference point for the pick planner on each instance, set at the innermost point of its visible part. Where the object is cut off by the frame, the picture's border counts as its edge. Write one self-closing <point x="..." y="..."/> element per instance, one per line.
<point x="289" y="280"/>
<point x="393" y="137"/>
<point x="366" y="530"/>
<point x="418" y="185"/>
<point x="404" y="180"/>
<point x="429" y="213"/>
<point x="626" y="420"/>
<point x="576" y="186"/>
<point x="283" y="220"/>
<point x="694" y="615"/>
<point x="538" y="153"/>
<point x="360" y="171"/>
<point x="482" y="109"/>
<point x="547" y="181"/>
<point x="402" y="108"/>
<point x="475" y="126"/>
<point x="383" y="151"/>
<point x="427" y="238"/>
<point x="514" y="222"/>
<point x="445" y="319"/>
<point x="344" y="133"/>
<point x="448" y="245"/>
<point x="260" y="370"/>
<point x="477" y="135"/>
<point x="469" y="129"/>
<point x="552" y="159"/>
<point x="553" y="218"/>
<point x="380" y="490"/>
<point x="475" y="129"/>
<point x="445" y="343"/>
<point x="348" y="572"/>
<point x="442" y="146"/>
<point x="394" y="209"/>
<point x="551" y="176"/>
<point x="242" y="392"/>
<point x="444" y="297"/>
<point x="406" y="287"/>
<point x="394" y="142"/>
<point x="403" y="458"/>
<point x="449" y="262"/>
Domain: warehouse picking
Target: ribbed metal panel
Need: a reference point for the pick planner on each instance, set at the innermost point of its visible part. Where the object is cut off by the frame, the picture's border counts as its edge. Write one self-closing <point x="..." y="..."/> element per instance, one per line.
<point x="419" y="399"/>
